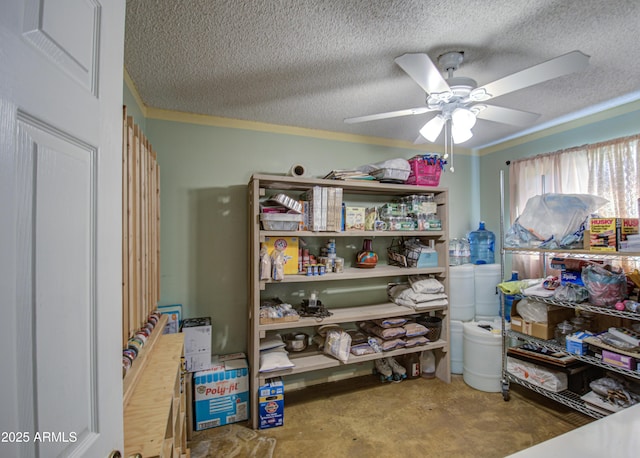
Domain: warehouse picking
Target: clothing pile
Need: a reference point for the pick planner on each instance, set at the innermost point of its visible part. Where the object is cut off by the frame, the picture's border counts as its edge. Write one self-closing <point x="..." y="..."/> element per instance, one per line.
<point x="421" y="293"/>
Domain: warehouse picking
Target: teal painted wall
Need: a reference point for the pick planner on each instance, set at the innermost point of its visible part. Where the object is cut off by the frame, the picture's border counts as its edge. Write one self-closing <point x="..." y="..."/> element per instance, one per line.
<point x="204" y="172"/>
<point x="133" y="109"/>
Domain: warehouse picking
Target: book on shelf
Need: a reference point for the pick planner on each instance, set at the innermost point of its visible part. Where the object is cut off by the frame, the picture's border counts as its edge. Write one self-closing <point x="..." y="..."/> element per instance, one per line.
<point x="322" y="209"/>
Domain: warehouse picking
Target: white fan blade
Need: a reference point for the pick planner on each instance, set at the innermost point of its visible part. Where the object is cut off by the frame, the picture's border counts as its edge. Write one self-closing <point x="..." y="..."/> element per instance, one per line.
<point x="424" y="72"/>
<point x="390" y="114"/>
<point x="554" y="68"/>
<point x="508" y="115"/>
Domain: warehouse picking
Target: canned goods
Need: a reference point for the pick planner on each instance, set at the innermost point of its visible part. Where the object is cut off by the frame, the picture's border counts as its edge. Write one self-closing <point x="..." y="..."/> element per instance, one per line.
<point x="129" y="353"/>
<point x="135" y="344"/>
<point x="140" y="335"/>
<point x="321" y="269"/>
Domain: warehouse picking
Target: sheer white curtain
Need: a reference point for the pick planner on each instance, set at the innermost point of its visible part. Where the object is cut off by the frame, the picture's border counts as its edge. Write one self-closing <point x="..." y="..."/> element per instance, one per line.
<point x="614" y="175"/>
<point x="608" y="169"/>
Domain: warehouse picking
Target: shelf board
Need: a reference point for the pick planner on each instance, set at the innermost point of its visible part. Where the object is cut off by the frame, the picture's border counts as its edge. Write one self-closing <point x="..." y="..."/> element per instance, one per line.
<point x="351" y="314"/>
<point x="585" y="306"/>
<point x="598" y="255"/>
<point x="359" y="186"/>
<point x="566" y="397"/>
<point x="552" y="345"/>
<point x="368" y="234"/>
<point x="314" y="360"/>
<point x="354" y="273"/>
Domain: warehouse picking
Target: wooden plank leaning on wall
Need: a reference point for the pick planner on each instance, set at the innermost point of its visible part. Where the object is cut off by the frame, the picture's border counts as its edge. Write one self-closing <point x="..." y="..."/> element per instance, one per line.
<point x="140" y="228"/>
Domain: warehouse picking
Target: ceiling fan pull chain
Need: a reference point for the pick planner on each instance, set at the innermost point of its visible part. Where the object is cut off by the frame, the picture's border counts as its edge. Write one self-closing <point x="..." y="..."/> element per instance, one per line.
<point x="448" y="145"/>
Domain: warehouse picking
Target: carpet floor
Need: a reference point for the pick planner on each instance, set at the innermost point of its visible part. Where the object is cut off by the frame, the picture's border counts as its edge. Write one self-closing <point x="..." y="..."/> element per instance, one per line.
<point x="362" y="417"/>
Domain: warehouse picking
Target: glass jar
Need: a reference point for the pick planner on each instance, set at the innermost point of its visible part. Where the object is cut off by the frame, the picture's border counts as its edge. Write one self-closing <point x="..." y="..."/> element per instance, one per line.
<point x="578" y="323"/>
<point x="563" y="330"/>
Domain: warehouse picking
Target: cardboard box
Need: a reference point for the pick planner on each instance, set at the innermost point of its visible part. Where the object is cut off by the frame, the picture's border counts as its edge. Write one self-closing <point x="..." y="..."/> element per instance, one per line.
<point x="571" y="276"/>
<point x="289" y="245"/>
<point x="221" y="393"/>
<point x="197" y="343"/>
<point x="175" y="316"/>
<point x="616" y="359"/>
<point x="576" y="343"/>
<point x="546" y="331"/>
<point x="602" y="234"/>
<point x="624" y="228"/>
<point x="354" y="218"/>
<point x="271" y="402"/>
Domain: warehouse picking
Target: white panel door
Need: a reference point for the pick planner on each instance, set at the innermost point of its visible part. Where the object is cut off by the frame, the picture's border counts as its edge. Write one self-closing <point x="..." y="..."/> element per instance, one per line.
<point x="60" y="227"/>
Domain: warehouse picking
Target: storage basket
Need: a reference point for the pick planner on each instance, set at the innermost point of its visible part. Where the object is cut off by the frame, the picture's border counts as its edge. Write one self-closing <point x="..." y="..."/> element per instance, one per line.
<point x="403" y="254"/>
<point x="398" y="256"/>
<point x="424" y="172"/>
<point x="434" y="326"/>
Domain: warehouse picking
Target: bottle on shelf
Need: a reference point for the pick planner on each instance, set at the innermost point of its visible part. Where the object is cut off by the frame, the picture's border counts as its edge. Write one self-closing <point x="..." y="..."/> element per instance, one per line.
<point x="411" y="363"/>
<point x="482" y="245"/>
<point x="427" y="364"/>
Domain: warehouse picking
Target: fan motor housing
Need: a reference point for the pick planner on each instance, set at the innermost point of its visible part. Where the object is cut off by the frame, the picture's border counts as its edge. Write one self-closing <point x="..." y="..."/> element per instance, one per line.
<point x="461" y="86"/>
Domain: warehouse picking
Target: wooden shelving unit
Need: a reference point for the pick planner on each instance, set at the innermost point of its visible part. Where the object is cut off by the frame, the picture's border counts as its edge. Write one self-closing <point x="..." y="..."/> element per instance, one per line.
<point x="311" y="360"/>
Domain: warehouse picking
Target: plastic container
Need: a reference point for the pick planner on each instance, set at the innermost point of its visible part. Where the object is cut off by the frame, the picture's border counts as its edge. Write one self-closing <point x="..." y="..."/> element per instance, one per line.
<point x="482" y="349"/>
<point x="459" y="252"/>
<point x="411" y="363"/>
<point x="462" y="292"/>
<point x="280" y="221"/>
<point x="561" y="332"/>
<point x="457" y="354"/>
<point x="487" y="297"/>
<point x="427" y="364"/>
<point x="482" y="245"/>
<point x="509" y="298"/>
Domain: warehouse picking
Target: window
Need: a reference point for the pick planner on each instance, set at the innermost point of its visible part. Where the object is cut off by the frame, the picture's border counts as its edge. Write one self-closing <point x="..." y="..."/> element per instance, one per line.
<point x="607" y="169"/>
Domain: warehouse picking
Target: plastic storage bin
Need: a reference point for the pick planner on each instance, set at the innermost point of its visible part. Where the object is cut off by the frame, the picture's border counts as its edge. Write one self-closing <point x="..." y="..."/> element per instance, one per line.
<point x="280" y="221"/>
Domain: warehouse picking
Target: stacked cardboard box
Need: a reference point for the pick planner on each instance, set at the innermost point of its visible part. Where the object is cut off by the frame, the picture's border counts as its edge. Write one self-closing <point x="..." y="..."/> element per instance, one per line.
<point x="221" y="393"/>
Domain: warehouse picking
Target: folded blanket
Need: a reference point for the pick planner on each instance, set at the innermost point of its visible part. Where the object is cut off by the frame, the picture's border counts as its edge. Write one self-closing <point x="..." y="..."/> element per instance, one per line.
<point x="406" y="294"/>
<point x="424" y="284"/>
<point x="422" y="305"/>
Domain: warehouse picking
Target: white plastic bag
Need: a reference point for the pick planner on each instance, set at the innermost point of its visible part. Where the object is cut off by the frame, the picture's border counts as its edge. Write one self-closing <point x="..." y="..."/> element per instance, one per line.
<point x="557" y="215"/>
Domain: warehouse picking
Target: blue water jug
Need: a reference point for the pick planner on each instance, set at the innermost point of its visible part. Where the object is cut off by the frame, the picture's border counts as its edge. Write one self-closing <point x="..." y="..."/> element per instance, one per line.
<point x="482" y="244"/>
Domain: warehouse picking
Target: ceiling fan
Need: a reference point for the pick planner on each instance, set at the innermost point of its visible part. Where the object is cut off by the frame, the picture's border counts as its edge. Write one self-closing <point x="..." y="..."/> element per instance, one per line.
<point x="458" y="99"/>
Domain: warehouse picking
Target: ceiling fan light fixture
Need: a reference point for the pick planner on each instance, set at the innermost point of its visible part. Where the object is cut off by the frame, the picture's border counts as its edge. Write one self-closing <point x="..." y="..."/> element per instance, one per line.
<point x="460" y="134"/>
<point x="463" y="118"/>
<point x="431" y="130"/>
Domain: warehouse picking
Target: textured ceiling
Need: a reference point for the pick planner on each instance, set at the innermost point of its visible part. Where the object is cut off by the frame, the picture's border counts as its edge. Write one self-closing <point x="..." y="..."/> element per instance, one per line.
<point x="313" y="63"/>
